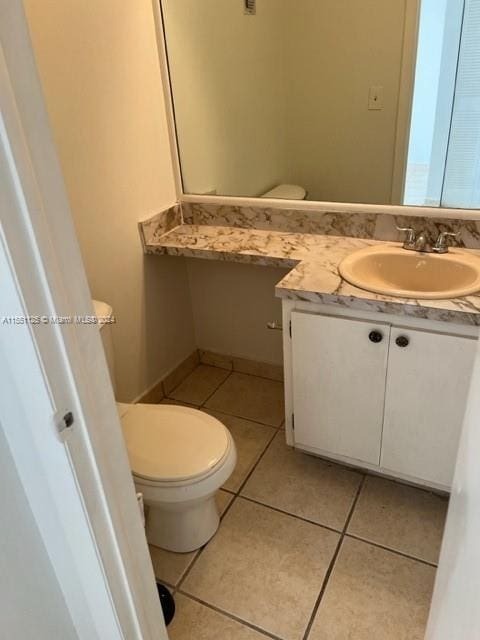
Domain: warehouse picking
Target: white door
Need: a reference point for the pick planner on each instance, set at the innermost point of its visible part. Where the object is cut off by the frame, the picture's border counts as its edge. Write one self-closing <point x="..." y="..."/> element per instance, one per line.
<point x="427" y="386"/>
<point x="455" y="614"/>
<point x="339" y="368"/>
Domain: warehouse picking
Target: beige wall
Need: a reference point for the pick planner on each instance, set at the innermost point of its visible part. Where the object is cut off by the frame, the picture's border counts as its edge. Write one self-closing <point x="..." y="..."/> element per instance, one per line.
<point x="228" y="74"/>
<point x="232" y="304"/>
<point x="100" y="73"/>
<point x="340" y="150"/>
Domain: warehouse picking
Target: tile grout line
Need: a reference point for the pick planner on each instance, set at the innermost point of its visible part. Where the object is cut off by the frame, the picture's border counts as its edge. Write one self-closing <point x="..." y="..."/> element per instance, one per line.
<point x="332" y="562"/>
<point x="215" y="390"/>
<point x="200" y="551"/>
<point x="234" y="415"/>
<point x="187" y="571"/>
<point x="165" y="395"/>
<point x="244" y="623"/>
<point x="235" y="496"/>
<point x="202" y="404"/>
<point x="253" y="469"/>
<point x="339" y="531"/>
<point x="291" y="515"/>
<point x="395" y="551"/>
<point x="243" y="373"/>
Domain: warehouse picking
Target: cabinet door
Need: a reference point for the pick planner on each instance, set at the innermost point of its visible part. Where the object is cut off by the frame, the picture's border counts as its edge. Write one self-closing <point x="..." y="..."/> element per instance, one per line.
<point x="339" y="385"/>
<point x="427" y="386"/>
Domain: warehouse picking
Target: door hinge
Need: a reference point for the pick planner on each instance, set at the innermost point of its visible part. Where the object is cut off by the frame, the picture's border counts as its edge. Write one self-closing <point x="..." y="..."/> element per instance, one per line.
<point x="290" y="328"/>
<point x="64" y="422"/>
<point x="293" y="422"/>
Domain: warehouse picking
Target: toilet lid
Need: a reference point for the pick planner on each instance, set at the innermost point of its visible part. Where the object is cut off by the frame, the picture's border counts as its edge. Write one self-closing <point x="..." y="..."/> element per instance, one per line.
<point x="172" y="443"/>
<point x="286" y="192"/>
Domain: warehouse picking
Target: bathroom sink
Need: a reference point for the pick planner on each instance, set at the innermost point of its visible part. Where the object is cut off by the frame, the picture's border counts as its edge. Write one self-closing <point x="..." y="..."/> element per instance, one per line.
<point x="394" y="271"/>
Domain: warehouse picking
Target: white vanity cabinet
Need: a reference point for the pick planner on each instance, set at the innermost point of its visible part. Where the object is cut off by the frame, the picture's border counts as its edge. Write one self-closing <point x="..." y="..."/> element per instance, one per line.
<point x="426" y="394"/>
<point x="339" y="384"/>
<point x="377" y="393"/>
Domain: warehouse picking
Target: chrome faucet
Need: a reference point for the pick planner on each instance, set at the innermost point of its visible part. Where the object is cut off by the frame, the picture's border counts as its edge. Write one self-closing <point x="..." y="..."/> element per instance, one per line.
<point x="410" y="238"/>
<point x="441" y="245"/>
<point x="421" y="243"/>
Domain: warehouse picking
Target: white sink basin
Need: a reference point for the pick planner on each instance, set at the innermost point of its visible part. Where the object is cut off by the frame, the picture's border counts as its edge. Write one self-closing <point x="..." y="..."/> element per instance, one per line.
<point x="394" y="271"/>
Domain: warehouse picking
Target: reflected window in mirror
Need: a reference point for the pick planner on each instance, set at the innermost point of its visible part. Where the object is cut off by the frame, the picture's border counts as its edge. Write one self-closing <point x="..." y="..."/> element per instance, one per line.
<point x="443" y="167"/>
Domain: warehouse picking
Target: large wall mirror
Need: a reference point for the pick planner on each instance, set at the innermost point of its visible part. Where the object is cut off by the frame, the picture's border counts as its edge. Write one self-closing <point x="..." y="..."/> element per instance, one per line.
<point x="361" y="101"/>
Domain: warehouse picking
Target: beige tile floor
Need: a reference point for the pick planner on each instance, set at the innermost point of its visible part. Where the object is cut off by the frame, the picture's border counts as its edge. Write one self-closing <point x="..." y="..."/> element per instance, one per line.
<point x="306" y="549"/>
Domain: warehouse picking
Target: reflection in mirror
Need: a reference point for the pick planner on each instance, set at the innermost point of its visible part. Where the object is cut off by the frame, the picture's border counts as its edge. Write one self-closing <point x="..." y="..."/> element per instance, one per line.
<point x="367" y="101"/>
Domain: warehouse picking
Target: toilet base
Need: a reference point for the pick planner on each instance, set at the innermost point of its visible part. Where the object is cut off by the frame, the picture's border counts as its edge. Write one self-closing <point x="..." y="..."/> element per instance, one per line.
<point x="182" y="527"/>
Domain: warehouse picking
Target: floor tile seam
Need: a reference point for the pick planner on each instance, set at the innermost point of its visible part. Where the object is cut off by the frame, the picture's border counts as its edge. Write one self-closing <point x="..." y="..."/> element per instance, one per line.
<point x="202" y="405"/>
<point x="234" y="415"/>
<point x="354" y="504"/>
<point x="229" y="615"/>
<point x="182" y="380"/>
<point x="228" y="507"/>
<point x="354" y="536"/>
<point x="236" y="495"/>
<point x="187" y="571"/>
<point x="291" y="515"/>
<point x="397" y="552"/>
<point x="171" y="587"/>
<point x="244" y="373"/>
<point x="254" y="375"/>
<point x="342" y="533"/>
<point x="169" y="396"/>
<point x="333" y="561"/>
<point x="253" y="469"/>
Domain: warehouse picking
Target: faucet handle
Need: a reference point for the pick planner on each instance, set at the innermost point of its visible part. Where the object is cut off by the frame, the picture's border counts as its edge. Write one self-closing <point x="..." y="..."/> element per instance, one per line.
<point x="441" y="245"/>
<point x="411" y="235"/>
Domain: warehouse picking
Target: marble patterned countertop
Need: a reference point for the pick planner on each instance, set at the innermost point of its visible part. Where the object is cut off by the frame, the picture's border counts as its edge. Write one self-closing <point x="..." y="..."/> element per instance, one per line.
<point x="313" y="261"/>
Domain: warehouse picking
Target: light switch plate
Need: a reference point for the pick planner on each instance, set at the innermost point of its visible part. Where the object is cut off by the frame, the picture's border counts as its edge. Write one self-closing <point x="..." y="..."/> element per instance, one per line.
<point x="375" y="98"/>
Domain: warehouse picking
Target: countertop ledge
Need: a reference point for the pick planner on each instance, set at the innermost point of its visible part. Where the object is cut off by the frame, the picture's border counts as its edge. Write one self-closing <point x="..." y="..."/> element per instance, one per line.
<point x="313" y="260"/>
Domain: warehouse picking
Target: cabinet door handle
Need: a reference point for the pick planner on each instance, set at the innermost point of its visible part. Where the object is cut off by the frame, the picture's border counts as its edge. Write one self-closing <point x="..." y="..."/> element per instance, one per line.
<point x="375" y="336"/>
<point x="402" y="341"/>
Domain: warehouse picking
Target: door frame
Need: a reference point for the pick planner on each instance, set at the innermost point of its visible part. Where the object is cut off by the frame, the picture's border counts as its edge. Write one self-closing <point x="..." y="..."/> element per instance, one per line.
<point x="78" y="483"/>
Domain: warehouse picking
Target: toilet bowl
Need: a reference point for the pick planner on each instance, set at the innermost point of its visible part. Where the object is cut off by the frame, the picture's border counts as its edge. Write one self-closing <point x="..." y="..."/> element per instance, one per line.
<point x="286" y="192"/>
<point x="179" y="458"/>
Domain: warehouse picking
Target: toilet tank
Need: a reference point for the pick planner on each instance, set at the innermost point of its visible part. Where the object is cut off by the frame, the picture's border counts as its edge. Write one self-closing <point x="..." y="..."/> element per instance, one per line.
<point x="104" y="313"/>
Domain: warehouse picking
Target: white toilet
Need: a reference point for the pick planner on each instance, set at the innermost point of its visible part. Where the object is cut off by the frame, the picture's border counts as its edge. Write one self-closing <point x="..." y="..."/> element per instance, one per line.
<point x="179" y="458"/>
<point x="286" y="192"/>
